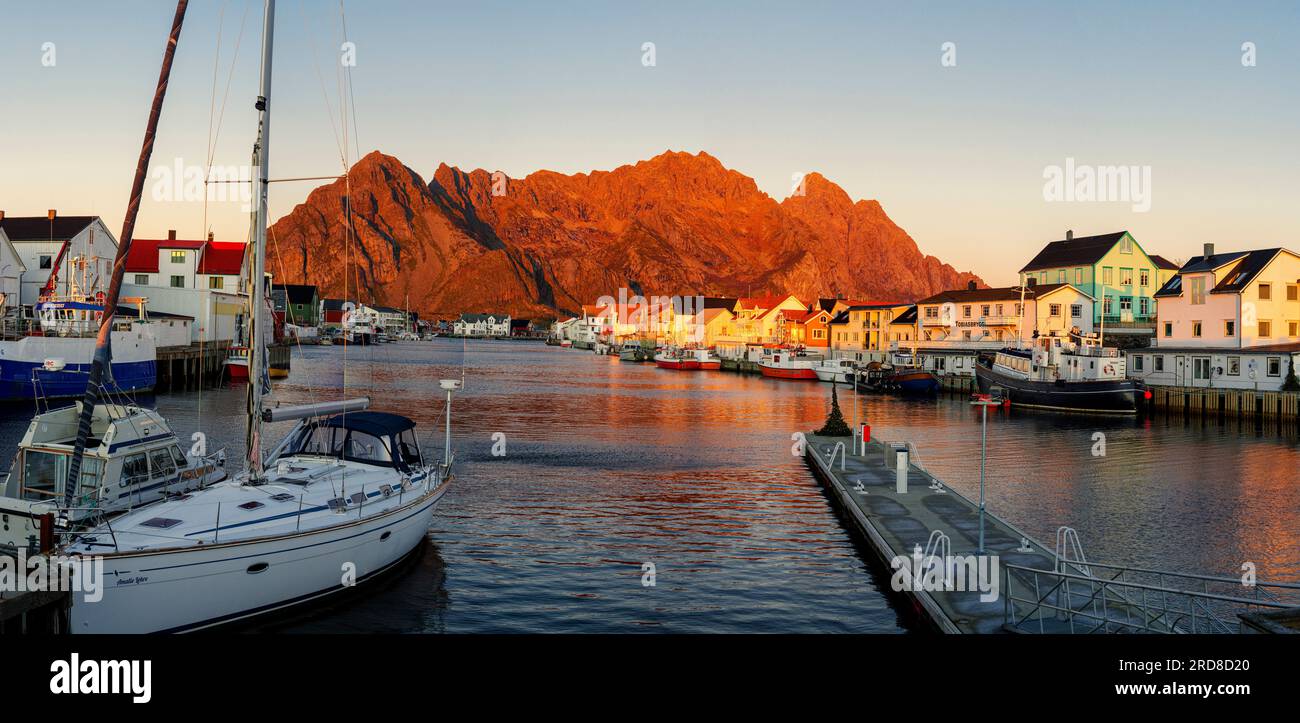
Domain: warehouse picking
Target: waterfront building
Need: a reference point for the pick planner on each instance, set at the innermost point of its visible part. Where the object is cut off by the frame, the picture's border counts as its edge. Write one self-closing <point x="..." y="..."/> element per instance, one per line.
<point x="953" y="327"/>
<point x="861" y="331"/>
<point x="483" y="325"/>
<point x="11" y="279"/>
<point x="1227" y="320"/>
<point x="1112" y="268"/>
<point x="297" y="304"/>
<point x="807" y="328"/>
<point x="566" y="330"/>
<point x="221" y="266"/>
<point x="76" y="247"/>
<point x="756" y="316"/>
<point x="332" y="311"/>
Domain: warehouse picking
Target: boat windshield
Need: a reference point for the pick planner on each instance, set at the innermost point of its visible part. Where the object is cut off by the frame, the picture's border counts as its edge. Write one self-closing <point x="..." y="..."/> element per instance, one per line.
<point x="350" y="444"/>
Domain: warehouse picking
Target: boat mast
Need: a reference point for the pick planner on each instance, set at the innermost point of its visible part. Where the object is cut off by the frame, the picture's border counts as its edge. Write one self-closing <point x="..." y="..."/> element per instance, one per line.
<point x="257" y="287"/>
<point x="99" y="367"/>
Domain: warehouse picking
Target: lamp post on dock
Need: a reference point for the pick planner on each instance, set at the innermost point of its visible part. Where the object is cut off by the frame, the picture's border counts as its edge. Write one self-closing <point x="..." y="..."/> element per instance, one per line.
<point x="984" y="403"/>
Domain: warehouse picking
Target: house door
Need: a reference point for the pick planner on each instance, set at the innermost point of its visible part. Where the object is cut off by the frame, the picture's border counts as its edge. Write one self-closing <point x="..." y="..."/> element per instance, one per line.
<point x="1200" y="371"/>
<point x="1180" y="371"/>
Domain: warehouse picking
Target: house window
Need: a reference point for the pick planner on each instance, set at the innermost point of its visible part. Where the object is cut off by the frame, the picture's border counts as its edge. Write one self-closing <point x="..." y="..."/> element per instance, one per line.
<point x="1265" y="328"/>
<point x="1234" y="366"/>
<point x="1137" y="362"/>
<point x="178" y="282"/>
<point x="1229" y="328"/>
<point x="1144" y="306"/>
<point x="1106" y="304"/>
<point x="1126" y="304"/>
<point x="1020" y="309"/>
<point x="1293" y="327"/>
<point x="966" y="335"/>
<point x="1126" y="245"/>
<point x="1078" y="276"/>
<point x="46" y="262"/>
<point x="1292" y="292"/>
<point x="931" y="312"/>
<point x="1197" y="286"/>
<point x="1107" y="275"/>
<point x="1144" y="277"/>
<point x="1054" y="310"/>
<point x="999" y="309"/>
<point x="178" y="257"/>
<point x="1265" y="292"/>
<point x="1196" y="329"/>
<point x="984" y="310"/>
<point x="142" y="279"/>
<point x="1076" y="311"/>
<point x="1126" y="277"/>
<point x="1275" y="366"/>
<point x="965" y="311"/>
<point x="1060" y="276"/>
<point x="1158" y="363"/>
<point x="1042" y="277"/>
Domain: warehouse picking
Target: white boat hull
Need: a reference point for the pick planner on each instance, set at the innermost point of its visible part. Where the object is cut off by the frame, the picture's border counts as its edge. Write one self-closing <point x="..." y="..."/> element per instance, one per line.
<point x="200" y="587"/>
<point x="843" y="376"/>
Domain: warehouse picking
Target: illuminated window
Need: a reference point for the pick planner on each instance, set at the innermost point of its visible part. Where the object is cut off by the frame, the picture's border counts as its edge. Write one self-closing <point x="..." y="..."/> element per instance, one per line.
<point x="178" y="257"/>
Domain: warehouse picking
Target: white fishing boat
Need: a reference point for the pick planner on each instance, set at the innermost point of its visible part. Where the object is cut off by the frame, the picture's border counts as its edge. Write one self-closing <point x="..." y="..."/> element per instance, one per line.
<point x="346" y="495"/>
<point x="132" y="459"/>
<point x="836" y="370"/>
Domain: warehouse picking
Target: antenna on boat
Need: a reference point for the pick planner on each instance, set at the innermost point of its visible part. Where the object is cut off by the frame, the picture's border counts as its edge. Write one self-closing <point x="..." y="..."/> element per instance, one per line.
<point x="449" y="386"/>
<point x="99" y="366"/>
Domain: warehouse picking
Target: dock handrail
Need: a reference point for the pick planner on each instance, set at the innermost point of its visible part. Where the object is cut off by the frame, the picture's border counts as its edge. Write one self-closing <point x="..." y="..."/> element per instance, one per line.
<point x="841" y="451"/>
<point x="1108" y="603"/>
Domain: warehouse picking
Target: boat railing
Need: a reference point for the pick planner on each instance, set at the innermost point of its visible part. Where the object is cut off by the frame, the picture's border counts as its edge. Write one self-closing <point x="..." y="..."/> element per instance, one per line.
<point x="1119" y="598"/>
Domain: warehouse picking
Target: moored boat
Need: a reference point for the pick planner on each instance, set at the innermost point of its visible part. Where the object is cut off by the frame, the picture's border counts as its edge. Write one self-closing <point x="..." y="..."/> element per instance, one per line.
<point x="784" y="363"/>
<point x="1064" y="373"/>
<point x="133" y="459"/>
<point x="836" y="370"/>
<point x="913" y="381"/>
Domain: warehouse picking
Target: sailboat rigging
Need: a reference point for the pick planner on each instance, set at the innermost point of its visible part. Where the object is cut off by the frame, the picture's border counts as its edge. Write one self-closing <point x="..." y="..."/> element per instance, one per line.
<point x="350" y="484"/>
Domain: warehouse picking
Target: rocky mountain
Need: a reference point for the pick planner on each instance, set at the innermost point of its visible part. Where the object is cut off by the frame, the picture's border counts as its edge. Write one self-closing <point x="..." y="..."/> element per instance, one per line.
<point x="546" y="244"/>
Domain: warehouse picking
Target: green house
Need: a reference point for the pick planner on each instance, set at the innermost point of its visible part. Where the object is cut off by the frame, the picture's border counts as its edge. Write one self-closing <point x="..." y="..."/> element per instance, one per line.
<point x="296" y="303"/>
<point x="1113" y="269"/>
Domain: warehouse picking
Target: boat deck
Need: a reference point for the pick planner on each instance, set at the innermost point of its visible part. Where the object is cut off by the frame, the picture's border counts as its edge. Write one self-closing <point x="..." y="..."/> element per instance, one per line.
<point x="310" y="493"/>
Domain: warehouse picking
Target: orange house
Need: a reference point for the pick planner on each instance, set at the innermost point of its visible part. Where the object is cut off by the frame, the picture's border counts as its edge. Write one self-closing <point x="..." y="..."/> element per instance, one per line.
<point x="804" y="328"/>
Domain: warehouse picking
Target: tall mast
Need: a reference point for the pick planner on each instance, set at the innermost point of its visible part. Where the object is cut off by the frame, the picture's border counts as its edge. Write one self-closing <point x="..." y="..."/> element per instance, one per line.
<point x="99" y="367"/>
<point x="257" y="287"/>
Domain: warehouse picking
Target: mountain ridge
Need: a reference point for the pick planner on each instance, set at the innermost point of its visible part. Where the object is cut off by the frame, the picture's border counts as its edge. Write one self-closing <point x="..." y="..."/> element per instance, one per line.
<point x="545" y="244"/>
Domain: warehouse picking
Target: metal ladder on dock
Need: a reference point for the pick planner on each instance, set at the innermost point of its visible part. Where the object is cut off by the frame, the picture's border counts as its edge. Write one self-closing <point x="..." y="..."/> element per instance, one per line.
<point x="1078" y="596"/>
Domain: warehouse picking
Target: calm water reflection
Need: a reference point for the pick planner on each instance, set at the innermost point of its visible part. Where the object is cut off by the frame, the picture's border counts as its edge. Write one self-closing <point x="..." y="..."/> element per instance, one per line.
<point x="609" y="465"/>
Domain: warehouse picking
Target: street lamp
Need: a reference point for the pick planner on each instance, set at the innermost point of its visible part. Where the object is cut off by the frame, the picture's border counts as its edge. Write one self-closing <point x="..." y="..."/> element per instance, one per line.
<point x="984" y="402"/>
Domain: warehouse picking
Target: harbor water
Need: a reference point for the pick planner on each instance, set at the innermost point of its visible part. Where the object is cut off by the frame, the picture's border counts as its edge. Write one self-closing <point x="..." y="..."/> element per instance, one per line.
<point x="583" y="479"/>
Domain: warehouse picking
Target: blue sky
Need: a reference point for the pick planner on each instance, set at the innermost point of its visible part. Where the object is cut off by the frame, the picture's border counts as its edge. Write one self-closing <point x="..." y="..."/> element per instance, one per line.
<point x="856" y="91"/>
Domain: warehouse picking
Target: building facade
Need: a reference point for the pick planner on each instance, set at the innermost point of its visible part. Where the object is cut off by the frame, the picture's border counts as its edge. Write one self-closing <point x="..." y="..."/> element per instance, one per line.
<point x="1111" y="268"/>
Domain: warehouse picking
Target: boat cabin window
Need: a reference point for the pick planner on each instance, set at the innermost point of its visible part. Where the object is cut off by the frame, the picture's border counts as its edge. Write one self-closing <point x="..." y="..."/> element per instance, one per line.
<point x="135" y="469"/>
<point x="163" y="464"/>
<point x="43" y="474"/>
<point x="362" y="447"/>
<point x="408" y="449"/>
<point x="349" y="444"/>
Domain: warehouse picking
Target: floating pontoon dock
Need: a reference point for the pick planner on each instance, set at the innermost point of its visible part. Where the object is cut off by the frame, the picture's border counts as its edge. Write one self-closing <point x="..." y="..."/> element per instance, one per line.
<point x="1040" y="590"/>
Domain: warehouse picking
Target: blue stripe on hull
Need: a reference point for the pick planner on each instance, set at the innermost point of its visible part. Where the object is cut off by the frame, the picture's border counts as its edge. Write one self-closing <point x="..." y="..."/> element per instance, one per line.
<point x="16" y="379"/>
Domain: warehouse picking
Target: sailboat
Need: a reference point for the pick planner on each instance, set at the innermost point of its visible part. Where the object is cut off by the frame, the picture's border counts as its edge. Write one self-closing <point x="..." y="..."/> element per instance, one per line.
<point x="346" y="495"/>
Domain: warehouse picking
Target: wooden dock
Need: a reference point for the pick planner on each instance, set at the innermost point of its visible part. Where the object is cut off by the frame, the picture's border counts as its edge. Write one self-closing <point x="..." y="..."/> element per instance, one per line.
<point x="1228" y="402"/>
<point x="34" y="612"/>
<point x="184" y="368"/>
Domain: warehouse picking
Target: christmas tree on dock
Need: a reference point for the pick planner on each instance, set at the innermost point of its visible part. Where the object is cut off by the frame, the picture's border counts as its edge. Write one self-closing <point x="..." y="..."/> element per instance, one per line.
<point x="835" y="425"/>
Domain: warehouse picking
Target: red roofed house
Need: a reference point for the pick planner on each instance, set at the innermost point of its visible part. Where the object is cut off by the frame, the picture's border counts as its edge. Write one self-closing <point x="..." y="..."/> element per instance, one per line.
<point x="804" y="328"/>
<point x="163" y="262"/>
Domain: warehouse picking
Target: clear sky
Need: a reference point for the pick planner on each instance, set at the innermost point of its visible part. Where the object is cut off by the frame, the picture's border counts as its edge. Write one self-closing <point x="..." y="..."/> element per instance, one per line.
<point x="855" y="90"/>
